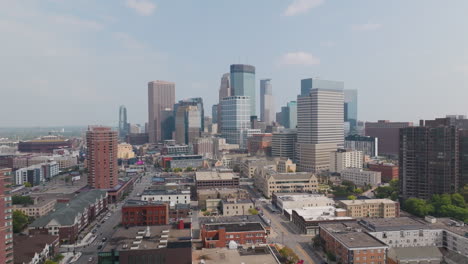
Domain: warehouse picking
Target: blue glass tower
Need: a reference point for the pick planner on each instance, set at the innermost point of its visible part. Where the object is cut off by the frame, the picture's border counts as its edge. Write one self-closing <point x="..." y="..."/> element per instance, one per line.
<point x="243" y="83"/>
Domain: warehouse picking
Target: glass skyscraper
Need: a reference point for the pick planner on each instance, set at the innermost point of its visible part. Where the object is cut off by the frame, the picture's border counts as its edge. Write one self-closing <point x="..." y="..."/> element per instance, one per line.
<point x="289" y="115"/>
<point x="124" y="127"/>
<point x="243" y="83"/>
<point x="235" y="118"/>
<point x="351" y="109"/>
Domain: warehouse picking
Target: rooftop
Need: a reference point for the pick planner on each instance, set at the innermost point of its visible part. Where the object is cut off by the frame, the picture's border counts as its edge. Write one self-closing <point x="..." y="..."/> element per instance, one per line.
<point x="259" y="255"/>
<point x="367" y="201"/>
<point x="142" y="203"/>
<point x="139" y="238"/>
<point x="25" y="247"/>
<point x="301" y="197"/>
<point x="230" y="219"/>
<point x="165" y="192"/>
<point x="416" y="254"/>
<point x="292" y="176"/>
<point x="320" y="213"/>
<point x="351" y="235"/>
<point x="392" y="224"/>
<point x="214" y="175"/>
<point x="237" y="201"/>
<point x="236" y="227"/>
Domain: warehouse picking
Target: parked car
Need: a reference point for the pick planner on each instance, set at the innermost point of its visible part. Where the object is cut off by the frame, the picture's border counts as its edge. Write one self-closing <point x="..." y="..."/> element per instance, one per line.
<point x="104" y="239"/>
<point x="99" y="247"/>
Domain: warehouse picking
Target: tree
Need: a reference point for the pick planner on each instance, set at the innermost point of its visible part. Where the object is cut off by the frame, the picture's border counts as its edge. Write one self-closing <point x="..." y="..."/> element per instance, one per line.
<point x="27" y="185"/>
<point x="253" y="211"/>
<point x="177" y="170"/>
<point x="458" y="200"/>
<point x="289" y="255"/>
<point x="418" y="207"/>
<point x="351" y="197"/>
<point x="57" y="258"/>
<point x="188" y="169"/>
<point x="358" y="191"/>
<point x="50" y="262"/>
<point x="20" y="220"/>
<point x="23" y="200"/>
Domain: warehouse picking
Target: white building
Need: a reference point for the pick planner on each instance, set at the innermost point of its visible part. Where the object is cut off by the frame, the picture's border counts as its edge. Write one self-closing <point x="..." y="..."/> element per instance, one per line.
<point x="235" y="117"/>
<point x="342" y="159"/>
<point x="300" y="200"/>
<point x="171" y="196"/>
<point x="361" y="177"/>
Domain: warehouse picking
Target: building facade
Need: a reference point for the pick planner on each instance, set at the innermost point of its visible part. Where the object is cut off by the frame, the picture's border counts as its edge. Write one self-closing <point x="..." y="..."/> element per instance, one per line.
<point x="161" y="96"/>
<point x="361" y="177"/>
<point x="351" y="109"/>
<point x="388" y="171"/>
<point x="6" y="218"/>
<point x="368" y="145"/>
<point x="267" y="102"/>
<point x="235" y="118"/>
<point x="388" y="134"/>
<point x="259" y="143"/>
<point x="188" y="125"/>
<point x="269" y="181"/>
<point x="220" y="235"/>
<point x="124" y="126"/>
<point x="320" y="123"/>
<point x="283" y="144"/>
<point x="216" y="179"/>
<point x="235" y="207"/>
<point x="101" y="157"/>
<point x="243" y="84"/>
<point x="384" y="208"/>
<point x="342" y="159"/>
<point x="170" y="196"/>
<point x="138" y="213"/>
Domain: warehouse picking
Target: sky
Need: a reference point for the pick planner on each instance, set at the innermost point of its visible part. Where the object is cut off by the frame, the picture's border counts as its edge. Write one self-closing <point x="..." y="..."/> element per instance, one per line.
<point x="74" y="62"/>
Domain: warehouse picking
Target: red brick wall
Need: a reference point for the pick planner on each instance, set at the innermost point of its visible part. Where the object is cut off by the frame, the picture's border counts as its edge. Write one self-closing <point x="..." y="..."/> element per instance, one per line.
<point x="240" y="238"/>
<point x="155" y="214"/>
<point x="388" y="172"/>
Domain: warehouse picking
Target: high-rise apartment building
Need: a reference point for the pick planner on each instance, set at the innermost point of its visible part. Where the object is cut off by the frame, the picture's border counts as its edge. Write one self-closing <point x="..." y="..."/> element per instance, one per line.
<point x="283" y="144"/>
<point x="101" y="157"/>
<point x="342" y="159"/>
<point x="388" y="134"/>
<point x="289" y="115"/>
<point x="124" y="126"/>
<point x="243" y="84"/>
<point x="161" y="95"/>
<point x="267" y="107"/>
<point x="235" y="118"/>
<point x="368" y="145"/>
<point x="351" y="109"/>
<point x="320" y="123"/>
<point x="430" y="157"/>
<point x="6" y="218"/>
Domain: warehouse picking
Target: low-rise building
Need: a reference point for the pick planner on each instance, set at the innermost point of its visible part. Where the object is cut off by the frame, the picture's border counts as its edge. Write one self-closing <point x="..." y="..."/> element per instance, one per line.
<point x="269" y="182"/>
<point x="259" y="143"/>
<point x="125" y="151"/>
<point x="203" y="146"/>
<point x="150" y="244"/>
<point x="137" y="138"/>
<point x="289" y="201"/>
<point x="69" y="219"/>
<point x="361" y="177"/>
<point x="308" y="219"/>
<point x="177" y="150"/>
<point x="388" y="171"/>
<point x="216" y="179"/>
<point x="40" y="207"/>
<point x="171" y="196"/>
<point x="384" y="208"/>
<point x="36" y="174"/>
<point x="285" y="165"/>
<point x="415" y="255"/>
<point x="243" y="233"/>
<point x="342" y="159"/>
<point x="181" y="161"/>
<point x="143" y="213"/>
<point x="233" y="207"/>
<point x="250" y="166"/>
<point x="204" y="195"/>
<point x="349" y="244"/>
<point x="35" y="249"/>
<point x="263" y="254"/>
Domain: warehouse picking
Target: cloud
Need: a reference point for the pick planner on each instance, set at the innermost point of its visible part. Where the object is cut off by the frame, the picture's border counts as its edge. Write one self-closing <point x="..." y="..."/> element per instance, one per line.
<point x="301" y="6"/>
<point x="78" y="22"/>
<point x="299" y="58"/>
<point x="366" y="27"/>
<point x="142" y="7"/>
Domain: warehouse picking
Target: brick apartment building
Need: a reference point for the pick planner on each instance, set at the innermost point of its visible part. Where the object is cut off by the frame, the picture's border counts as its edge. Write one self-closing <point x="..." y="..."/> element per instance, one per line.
<point x="220" y="234"/>
<point x="260" y="142"/>
<point x="6" y="224"/>
<point x="216" y="179"/>
<point x="143" y="213"/>
<point x="102" y="157"/>
<point x="388" y="171"/>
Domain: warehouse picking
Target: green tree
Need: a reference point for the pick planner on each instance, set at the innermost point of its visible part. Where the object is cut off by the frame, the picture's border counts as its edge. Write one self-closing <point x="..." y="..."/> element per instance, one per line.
<point x="358" y="191"/>
<point x="253" y="211"/>
<point x="27" y="184"/>
<point x="58" y="258"/>
<point x="20" y="220"/>
<point x="458" y="200"/>
<point x="188" y="169"/>
<point x="289" y="255"/>
<point x="50" y="262"/>
<point x="23" y="200"/>
<point x="177" y="170"/>
<point x="351" y="197"/>
<point x="418" y="207"/>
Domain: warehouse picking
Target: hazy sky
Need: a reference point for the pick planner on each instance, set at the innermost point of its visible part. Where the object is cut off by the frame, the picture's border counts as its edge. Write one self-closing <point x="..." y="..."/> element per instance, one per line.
<point x="73" y="62"/>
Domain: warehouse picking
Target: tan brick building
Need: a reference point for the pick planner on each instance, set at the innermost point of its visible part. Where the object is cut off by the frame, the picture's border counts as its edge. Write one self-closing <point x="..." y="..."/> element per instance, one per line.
<point x="384" y="208"/>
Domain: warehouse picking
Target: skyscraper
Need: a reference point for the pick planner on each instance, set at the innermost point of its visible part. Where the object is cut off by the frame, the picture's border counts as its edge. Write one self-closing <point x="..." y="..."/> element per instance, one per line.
<point x="187" y="123"/>
<point x="235" y="118"/>
<point x="388" y="135"/>
<point x="320" y="123"/>
<point x="124" y="127"/>
<point x="351" y="109"/>
<point x="267" y="108"/>
<point x="431" y="157"/>
<point x="289" y="115"/>
<point x="214" y="113"/>
<point x="167" y="123"/>
<point x="243" y="83"/>
<point x="101" y="157"/>
<point x="224" y="91"/>
<point x="161" y="95"/>
<point x="6" y="218"/>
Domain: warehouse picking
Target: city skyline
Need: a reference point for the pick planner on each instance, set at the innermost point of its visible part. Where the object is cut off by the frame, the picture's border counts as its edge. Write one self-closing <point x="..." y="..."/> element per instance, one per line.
<point x="380" y="51"/>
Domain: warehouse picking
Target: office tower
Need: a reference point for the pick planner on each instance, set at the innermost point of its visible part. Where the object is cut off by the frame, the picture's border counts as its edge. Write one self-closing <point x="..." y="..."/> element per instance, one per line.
<point x="101" y="157"/>
<point x="6" y="218"/>
<point x="167" y="123"/>
<point x="124" y="126"/>
<point x="214" y="114"/>
<point x="279" y="118"/>
<point x="198" y="102"/>
<point x="224" y="91"/>
<point x="187" y="123"/>
<point x="430" y="157"/>
<point x="243" y="83"/>
<point x="289" y="115"/>
<point x="235" y="118"/>
<point x="368" y="145"/>
<point x="319" y="123"/>
<point x="267" y="108"/>
<point x="388" y="134"/>
<point x="161" y="95"/>
<point x="283" y="144"/>
<point x="351" y="109"/>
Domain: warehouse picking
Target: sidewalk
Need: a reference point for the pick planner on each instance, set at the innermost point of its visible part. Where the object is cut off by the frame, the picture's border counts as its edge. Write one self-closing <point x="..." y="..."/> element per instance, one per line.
<point x="88" y="239"/>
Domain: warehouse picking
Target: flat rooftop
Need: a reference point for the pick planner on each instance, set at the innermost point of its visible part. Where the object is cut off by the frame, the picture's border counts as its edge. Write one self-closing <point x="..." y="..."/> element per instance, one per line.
<point x="214" y="176"/>
<point x="230" y="219"/>
<point x="319" y="213"/>
<point x="292" y="176"/>
<point x="351" y="235"/>
<point x="301" y="197"/>
<point x="220" y="190"/>
<point x="235" y="227"/>
<point x="455" y="226"/>
<point x="165" y="192"/>
<point x="392" y="224"/>
<point x="259" y="255"/>
<point x="367" y="201"/>
<point x="138" y="238"/>
<point x="238" y="201"/>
